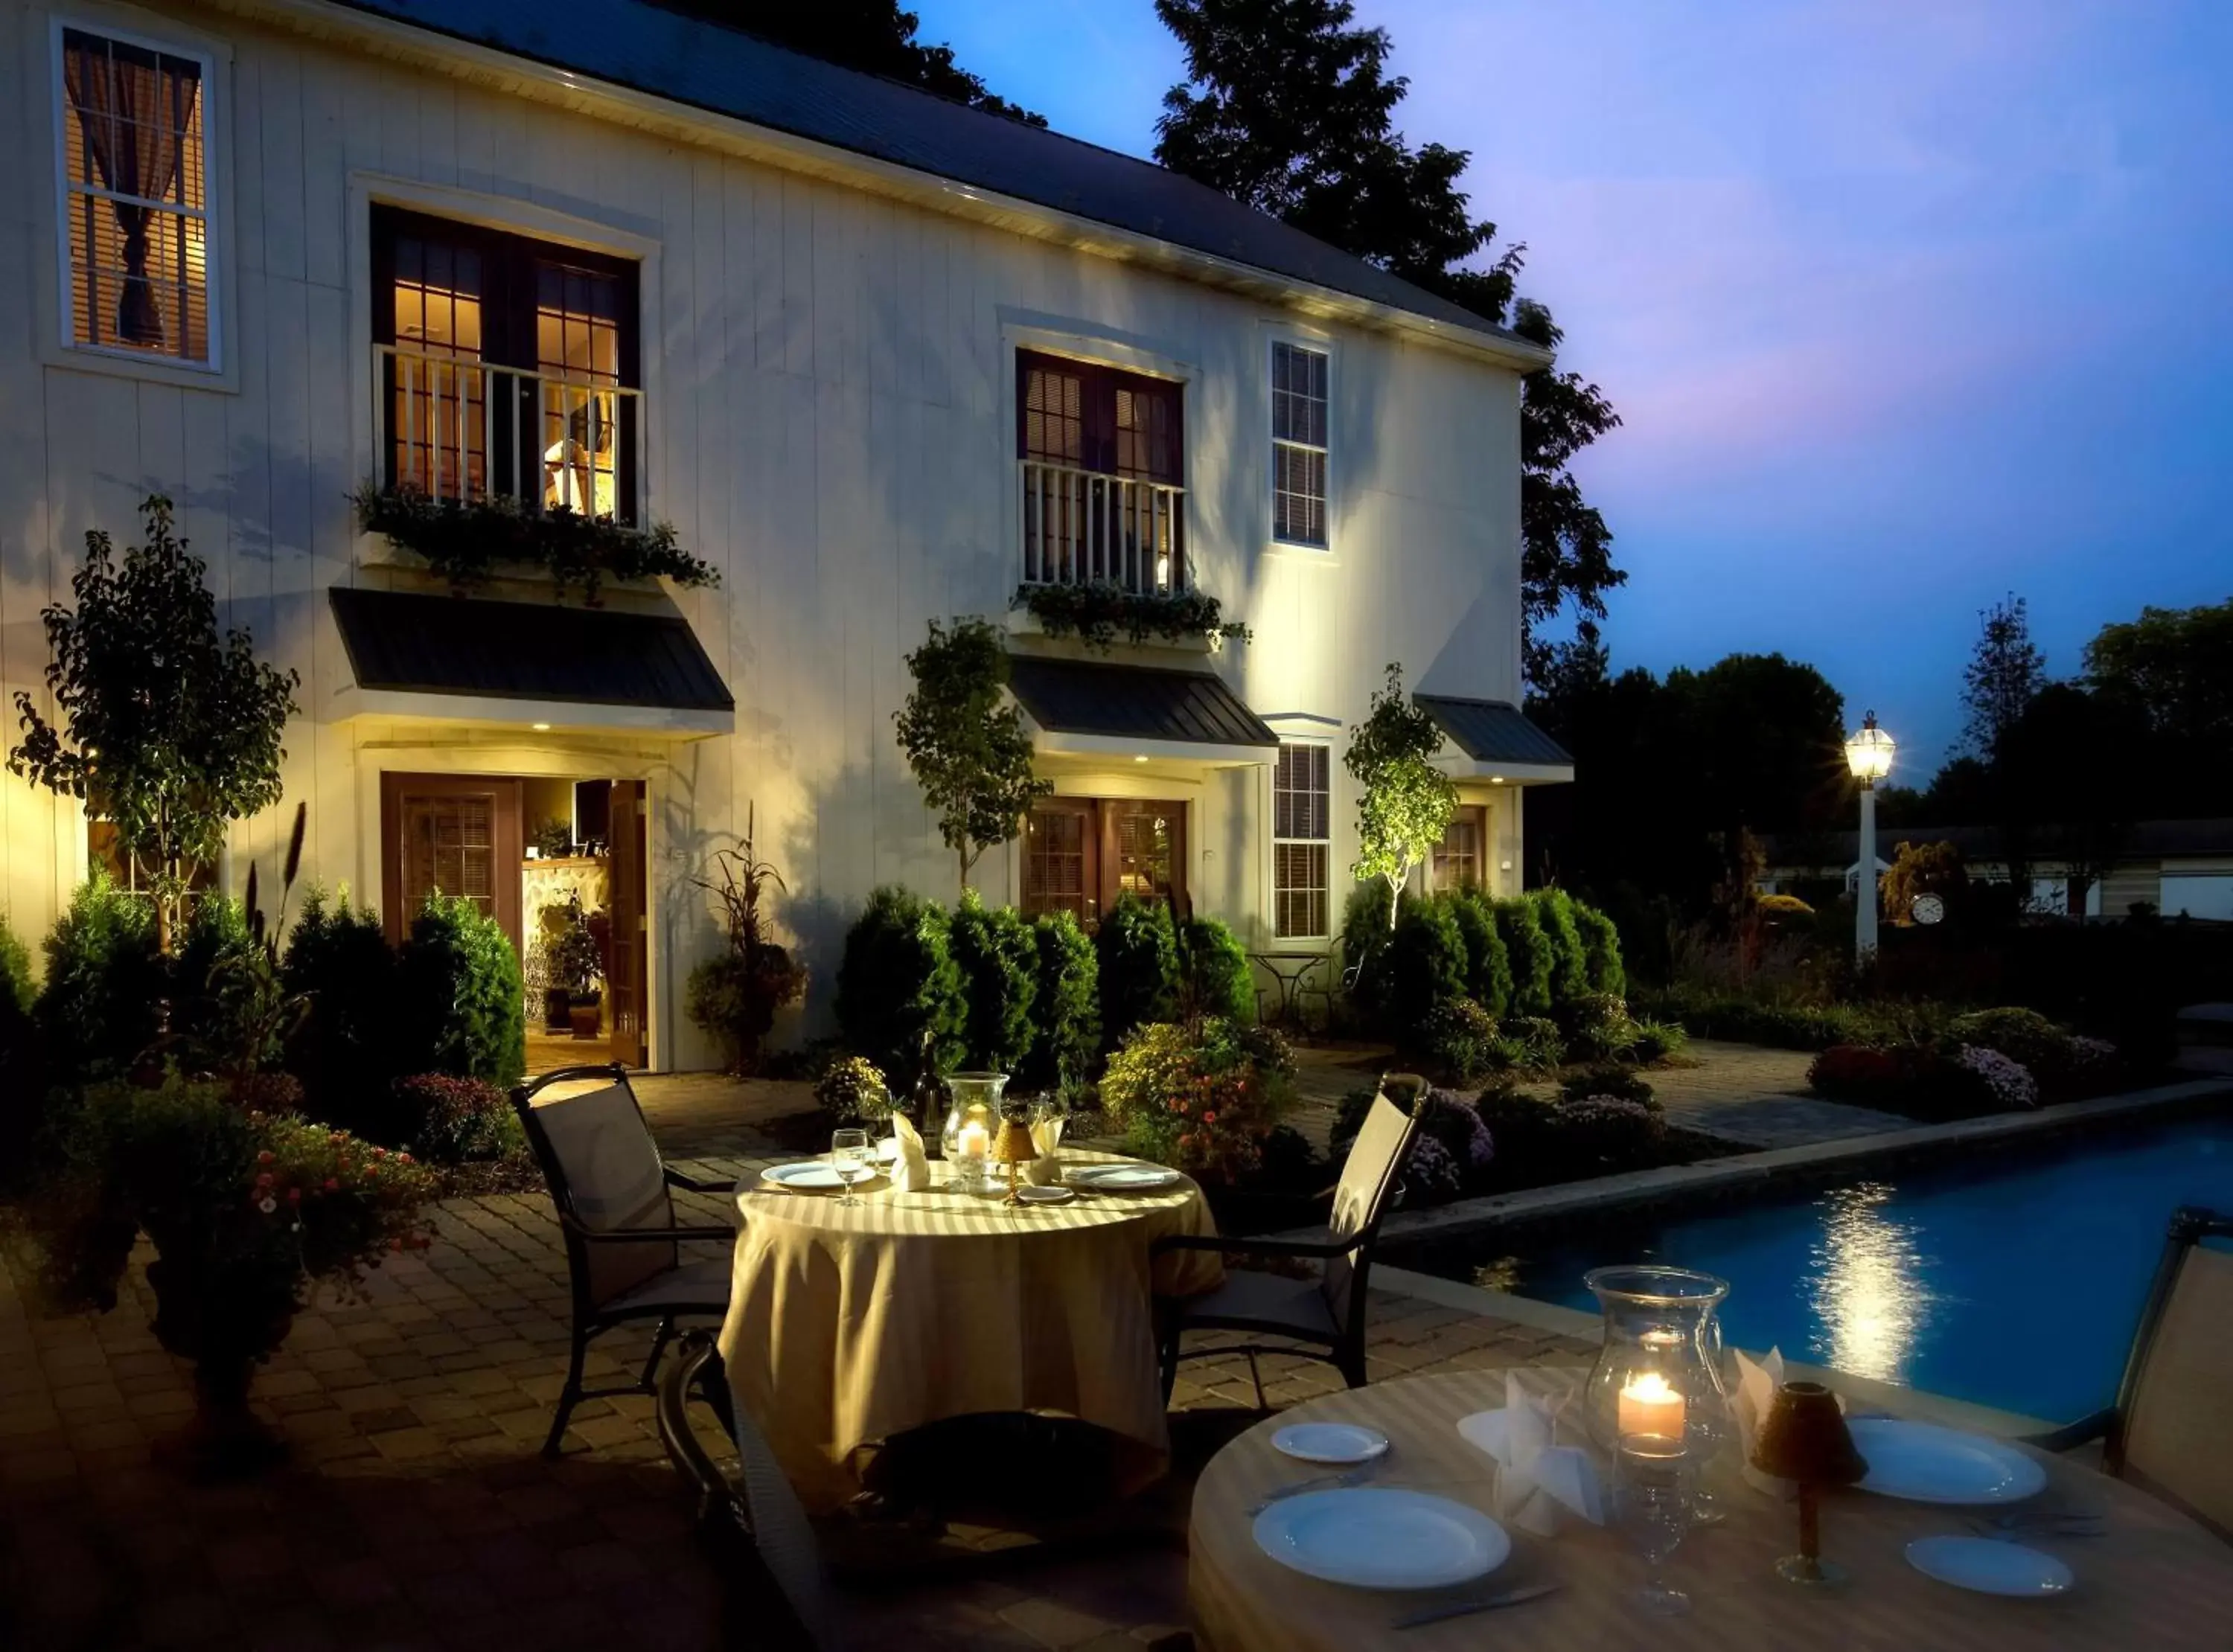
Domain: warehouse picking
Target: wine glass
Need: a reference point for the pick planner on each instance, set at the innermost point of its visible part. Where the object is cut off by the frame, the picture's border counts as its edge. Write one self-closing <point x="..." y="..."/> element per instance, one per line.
<point x="1653" y="1495"/>
<point x="852" y="1159"/>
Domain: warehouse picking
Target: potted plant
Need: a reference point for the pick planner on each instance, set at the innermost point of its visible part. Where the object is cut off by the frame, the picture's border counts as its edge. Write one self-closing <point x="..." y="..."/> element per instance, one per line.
<point x="553" y="839"/>
<point x="577" y="964"/>
<point x="735" y="995"/>
<point x="249" y="1214"/>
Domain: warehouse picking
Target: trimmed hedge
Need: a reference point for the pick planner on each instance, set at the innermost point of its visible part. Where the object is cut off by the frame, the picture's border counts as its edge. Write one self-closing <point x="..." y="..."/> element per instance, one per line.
<point x="1426" y="963"/>
<point x="1066" y="1006"/>
<point x="1213" y="970"/>
<point x="346" y="1050"/>
<point x="100" y="1006"/>
<point x="1137" y="951"/>
<point x="1600" y="951"/>
<point x="997" y="956"/>
<point x="897" y="984"/>
<point x="1570" y="961"/>
<point x="1489" y="965"/>
<point x="464" y="1006"/>
<point x="1527" y="951"/>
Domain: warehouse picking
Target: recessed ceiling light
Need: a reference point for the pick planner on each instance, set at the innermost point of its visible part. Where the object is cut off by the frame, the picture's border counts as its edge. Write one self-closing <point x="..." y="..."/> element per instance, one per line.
<point x="540" y="728"/>
<point x="1139" y="760"/>
<point x="1496" y="780"/>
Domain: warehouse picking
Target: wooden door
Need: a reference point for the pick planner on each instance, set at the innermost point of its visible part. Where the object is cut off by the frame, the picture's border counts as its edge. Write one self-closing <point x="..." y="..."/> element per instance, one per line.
<point x="1144" y="851"/>
<point x="458" y="834"/>
<point x="1061" y="859"/>
<point x="626" y="975"/>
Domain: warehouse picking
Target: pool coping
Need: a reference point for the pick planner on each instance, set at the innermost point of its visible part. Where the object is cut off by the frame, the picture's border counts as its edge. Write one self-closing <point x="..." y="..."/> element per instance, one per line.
<point x="1916" y="1404"/>
<point x="1670" y="1183"/>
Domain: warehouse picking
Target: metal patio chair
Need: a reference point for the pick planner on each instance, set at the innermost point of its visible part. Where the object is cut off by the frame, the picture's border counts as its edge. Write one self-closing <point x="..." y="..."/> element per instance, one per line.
<point x="616" y="1210"/>
<point x="2166" y="1432"/>
<point x="771" y="1563"/>
<point x="1326" y="1314"/>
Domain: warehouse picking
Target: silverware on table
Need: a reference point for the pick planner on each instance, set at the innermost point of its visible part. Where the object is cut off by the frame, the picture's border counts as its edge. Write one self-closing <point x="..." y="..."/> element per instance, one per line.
<point x="1328" y="1482"/>
<point x="1479" y="1603"/>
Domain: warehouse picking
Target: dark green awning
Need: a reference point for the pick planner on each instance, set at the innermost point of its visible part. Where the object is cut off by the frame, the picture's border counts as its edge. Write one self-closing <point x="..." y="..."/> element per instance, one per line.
<point x="1135" y="702"/>
<point x="1493" y="730"/>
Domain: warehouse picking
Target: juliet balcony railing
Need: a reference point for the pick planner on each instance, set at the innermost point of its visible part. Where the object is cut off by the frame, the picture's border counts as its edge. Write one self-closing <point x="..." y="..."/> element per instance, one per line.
<point x="1087" y="527"/>
<point x="456" y="428"/>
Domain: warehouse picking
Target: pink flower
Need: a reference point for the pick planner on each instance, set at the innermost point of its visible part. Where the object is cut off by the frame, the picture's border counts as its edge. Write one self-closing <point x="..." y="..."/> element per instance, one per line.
<point x="332" y="1185"/>
<point x="264" y="1181"/>
<point x="1210" y="1118"/>
<point x="294" y="1195"/>
<point x="265" y="1157"/>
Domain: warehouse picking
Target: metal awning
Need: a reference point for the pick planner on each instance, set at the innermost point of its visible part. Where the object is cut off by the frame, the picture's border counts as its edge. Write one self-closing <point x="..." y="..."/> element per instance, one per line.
<point x="460" y="657"/>
<point x="1097" y="709"/>
<point x="1495" y="741"/>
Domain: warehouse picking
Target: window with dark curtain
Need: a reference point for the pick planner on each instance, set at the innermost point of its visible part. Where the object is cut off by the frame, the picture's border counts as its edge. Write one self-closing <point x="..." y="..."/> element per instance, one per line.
<point x="135" y="176"/>
<point x="1097" y="418"/>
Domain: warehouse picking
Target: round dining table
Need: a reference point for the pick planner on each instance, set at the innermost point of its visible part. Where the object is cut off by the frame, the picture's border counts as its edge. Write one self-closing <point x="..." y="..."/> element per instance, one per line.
<point x="2151" y="1579"/>
<point x="850" y="1323"/>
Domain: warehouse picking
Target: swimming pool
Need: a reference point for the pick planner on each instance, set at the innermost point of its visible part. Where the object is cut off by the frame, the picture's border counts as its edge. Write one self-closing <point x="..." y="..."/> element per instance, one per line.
<point x="2013" y="1277"/>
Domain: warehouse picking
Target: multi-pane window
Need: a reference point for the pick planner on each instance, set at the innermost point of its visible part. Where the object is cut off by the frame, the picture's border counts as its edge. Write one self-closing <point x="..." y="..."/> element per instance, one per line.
<point x="135" y="193"/>
<point x="510" y="366"/>
<point x="1460" y="859"/>
<point x="1102" y="468"/>
<point x="1302" y="816"/>
<point x="1298" y="445"/>
<point x="1082" y="854"/>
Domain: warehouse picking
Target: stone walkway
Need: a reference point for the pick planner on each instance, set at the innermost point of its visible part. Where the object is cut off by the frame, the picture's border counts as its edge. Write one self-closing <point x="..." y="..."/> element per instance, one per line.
<point x="1755" y="1098"/>
<point x="416" y="1511"/>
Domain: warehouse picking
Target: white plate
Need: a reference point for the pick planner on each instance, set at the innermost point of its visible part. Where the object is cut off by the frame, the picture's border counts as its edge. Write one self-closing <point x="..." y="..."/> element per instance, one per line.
<point x="1330" y="1442"/>
<point x="1924" y="1463"/>
<point x="1031" y="1195"/>
<point x="1380" y="1538"/>
<point x="1124" y="1178"/>
<point x="808" y="1175"/>
<point x="1990" y="1567"/>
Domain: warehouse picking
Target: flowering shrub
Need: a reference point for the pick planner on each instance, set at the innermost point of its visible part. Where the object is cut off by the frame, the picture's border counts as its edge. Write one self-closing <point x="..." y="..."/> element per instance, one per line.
<point x="1536" y="1042"/>
<point x="1614" y="1132"/>
<point x="2010" y="1086"/>
<point x="1540" y="1141"/>
<point x="1458" y="1040"/>
<point x="2025" y="1037"/>
<point x="1202" y="1096"/>
<point x="1452" y="1149"/>
<point x="852" y="1088"/>
<point x="1597" y="1026"/>
<point x="452" y="1121"/>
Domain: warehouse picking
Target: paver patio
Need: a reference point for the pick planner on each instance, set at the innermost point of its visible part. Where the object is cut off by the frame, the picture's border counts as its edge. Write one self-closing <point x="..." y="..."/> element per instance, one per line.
<point x="416" y="1511"/>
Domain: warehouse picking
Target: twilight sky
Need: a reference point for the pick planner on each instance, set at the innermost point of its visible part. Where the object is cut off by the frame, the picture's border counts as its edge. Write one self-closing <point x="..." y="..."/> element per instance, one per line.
<point x="1906" y="304"/>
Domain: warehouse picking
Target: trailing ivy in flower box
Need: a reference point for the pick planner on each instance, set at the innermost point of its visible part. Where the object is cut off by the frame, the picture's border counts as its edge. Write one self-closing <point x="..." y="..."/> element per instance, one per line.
<point x="1099" y="611"/>
<point x="467" y="541"/>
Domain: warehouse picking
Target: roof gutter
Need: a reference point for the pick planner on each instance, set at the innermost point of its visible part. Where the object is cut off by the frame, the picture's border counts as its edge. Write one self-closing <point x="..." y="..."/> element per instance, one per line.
<point x="687" y="123"/>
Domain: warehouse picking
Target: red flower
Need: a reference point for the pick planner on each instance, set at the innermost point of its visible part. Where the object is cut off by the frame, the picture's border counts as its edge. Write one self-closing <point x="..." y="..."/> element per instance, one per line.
<point x="1210" y="1118"/>
<point x="294" y="1195"/>
<point x="332" y="1185"/>
<point x="264" y="1181"/>
<point x="265" y="1157"/>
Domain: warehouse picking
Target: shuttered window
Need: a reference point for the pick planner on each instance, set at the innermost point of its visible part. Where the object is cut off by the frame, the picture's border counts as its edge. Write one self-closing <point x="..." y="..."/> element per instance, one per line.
<point x="135" y="197"/>
<point x="1302" y="821"/>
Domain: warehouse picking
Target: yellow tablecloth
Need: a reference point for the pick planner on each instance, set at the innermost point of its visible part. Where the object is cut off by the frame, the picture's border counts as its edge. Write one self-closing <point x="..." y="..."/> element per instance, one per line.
<point x="2154" y="1579"/>
<point x="849" y="1325"/>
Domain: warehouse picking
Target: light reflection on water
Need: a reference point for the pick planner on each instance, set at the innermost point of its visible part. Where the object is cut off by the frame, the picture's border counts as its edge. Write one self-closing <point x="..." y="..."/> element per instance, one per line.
<point x="1866" y="1281"/>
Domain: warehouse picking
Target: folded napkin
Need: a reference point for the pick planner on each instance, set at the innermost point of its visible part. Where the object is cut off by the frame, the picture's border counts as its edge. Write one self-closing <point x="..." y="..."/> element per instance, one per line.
<point x="1534" y="1479"/>
<point x="910" y="1170"/>
<point x="1046" y="1171"/>
<point x="1756" y="1388"/>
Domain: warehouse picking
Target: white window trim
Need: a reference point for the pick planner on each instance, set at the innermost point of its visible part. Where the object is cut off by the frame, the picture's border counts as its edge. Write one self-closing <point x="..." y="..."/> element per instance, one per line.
<point x="1275" y="841"/>
<point x="1319" y="345"/>
<point x="216" y="216"/>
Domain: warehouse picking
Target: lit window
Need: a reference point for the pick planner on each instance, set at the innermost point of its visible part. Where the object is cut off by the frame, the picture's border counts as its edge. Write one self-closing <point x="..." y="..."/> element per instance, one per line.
<point x="1460" y="859"/>
<point x="135" y="192"/>
<point x="1302" y="814"/>
<point x="1298" y="445"/>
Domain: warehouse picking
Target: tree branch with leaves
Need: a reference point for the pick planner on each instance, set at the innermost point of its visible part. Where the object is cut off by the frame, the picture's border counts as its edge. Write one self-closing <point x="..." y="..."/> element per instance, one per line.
<point x="164" y="727"/>
<point x="966" y="742"/>
<point x="1404" y="802"/>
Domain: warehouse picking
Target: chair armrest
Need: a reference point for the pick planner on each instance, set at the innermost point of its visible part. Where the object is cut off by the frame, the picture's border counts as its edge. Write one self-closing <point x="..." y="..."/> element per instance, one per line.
<point x="637" y="1235"/>
<point x="698" y="1184"/>
<point x="1230" y="1244"/>
<point x="2073" y="1434"/>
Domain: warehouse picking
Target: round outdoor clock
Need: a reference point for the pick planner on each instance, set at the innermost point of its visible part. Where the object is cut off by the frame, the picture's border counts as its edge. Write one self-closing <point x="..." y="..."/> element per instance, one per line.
<point x="1928" y="909"/>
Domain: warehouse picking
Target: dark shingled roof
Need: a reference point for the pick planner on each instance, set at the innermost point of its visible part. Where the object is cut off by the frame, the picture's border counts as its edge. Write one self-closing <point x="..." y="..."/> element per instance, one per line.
<point x="1135" y="702"/>
<point x="633" y="44"/>
<point x="446" y="645"/>
<point x="1492" y="731"/>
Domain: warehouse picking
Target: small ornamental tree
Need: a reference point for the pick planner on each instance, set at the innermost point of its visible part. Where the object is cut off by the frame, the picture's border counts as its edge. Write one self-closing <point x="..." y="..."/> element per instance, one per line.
<point x="1404" y="802"/>
<point x="167" y="729"/>
<point x="965" y="744"/>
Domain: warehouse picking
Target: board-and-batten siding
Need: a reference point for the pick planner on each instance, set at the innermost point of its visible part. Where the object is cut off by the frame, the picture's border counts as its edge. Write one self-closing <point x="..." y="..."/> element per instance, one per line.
<point x="828" y="425"/>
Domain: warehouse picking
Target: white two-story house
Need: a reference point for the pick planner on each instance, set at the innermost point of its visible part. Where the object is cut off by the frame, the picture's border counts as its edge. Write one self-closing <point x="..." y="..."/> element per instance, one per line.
<point x="878" y="358"/>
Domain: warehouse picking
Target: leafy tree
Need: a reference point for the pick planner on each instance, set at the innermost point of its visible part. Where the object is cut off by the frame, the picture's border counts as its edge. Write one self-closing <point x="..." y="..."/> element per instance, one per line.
<point x="2173" y="668"/>
<point x="1404" y="802"/>
<point x="968" y="746"/>
<point x="2005" y="673"/>
<point x="1287" y="106"/>
<point x="167" y="729"/>
<point x="873" y="36"/>
<point x="1924" y="869"/>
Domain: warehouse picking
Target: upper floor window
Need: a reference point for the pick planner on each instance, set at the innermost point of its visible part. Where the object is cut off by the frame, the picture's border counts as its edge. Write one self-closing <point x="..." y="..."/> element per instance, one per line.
<point x="508" y="367"/>
<point x="1298" y="445"/>
<point x="135" y="197"/>
<point x="1302" y="832"/>
<point x="1102" y="453"/>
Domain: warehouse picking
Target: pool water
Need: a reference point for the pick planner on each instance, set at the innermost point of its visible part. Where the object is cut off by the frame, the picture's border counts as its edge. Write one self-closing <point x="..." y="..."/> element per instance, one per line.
<point x="2012" y="1279"/>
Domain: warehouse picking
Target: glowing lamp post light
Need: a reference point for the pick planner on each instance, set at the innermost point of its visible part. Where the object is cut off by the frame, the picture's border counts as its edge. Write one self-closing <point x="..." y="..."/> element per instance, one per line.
<point x="1868" y="754"/>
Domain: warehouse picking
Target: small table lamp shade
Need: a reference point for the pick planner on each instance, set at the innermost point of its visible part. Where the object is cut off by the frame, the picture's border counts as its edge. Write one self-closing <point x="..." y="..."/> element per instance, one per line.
<point x="1804" y="1438"/>
<point x="1013" y="1147"/>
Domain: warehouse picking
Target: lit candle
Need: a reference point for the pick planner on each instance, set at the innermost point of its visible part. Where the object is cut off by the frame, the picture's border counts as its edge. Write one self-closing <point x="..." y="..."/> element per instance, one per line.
<point x="1650" y="1405"/>
<point x="974" y="1142"/>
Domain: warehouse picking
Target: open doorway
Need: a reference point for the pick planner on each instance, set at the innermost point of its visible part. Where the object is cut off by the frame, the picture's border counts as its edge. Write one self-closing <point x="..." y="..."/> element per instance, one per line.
<point x="559" y="864"/>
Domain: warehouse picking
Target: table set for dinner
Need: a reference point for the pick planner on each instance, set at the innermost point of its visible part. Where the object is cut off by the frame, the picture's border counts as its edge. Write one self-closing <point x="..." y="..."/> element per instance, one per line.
<point x="876" y="1291"/>
<point x="1671" y="1496"/>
